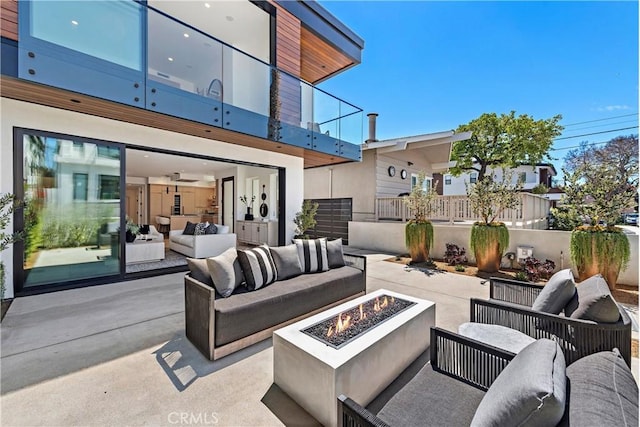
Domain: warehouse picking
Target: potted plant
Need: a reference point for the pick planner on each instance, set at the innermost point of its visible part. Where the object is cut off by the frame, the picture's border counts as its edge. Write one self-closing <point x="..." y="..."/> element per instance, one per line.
<point x="131" y="230"/>
<point x="305" y="219"/>
<point x="489" y="197"/>
<point x="249" y="204"/>
<point x="598" y="194"/>
<point x="419" y="231"/>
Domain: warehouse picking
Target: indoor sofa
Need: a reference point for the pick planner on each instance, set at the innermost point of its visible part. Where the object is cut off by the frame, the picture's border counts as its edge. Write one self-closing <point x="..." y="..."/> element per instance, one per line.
<point x="204" y="245"/>
<point x="219" y="325"/>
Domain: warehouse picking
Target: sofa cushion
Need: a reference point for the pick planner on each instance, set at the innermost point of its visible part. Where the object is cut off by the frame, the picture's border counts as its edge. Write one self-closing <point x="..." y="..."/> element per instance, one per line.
<point x="286" y="260"/>
<point x="556" y="293"/>
<point x="312" y="254"/>
<point x="225" y="272"/>
<point x="201" y="228"/>
<point x="200" y="270"/>
<point x="211" y="229"/>
<point x="335" y="256"/>
<point x="498" y="336"/>
<point x="222" y="229"/>
<point x="594" y="302"/>
<point x="246" y="313"/>
<point x="601" y="391"/>
<point x="189" y="229"/>
<point x="184" y="240"/>
<point x="530" y="391"/>
<point x="258" y="267"/>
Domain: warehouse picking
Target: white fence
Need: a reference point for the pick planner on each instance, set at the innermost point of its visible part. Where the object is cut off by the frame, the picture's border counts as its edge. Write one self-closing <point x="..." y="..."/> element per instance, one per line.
<point x="531" y="212"/>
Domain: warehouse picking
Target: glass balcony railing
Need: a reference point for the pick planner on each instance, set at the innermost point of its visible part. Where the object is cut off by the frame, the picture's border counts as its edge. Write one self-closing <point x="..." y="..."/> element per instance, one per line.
<point x="164" y="65"/>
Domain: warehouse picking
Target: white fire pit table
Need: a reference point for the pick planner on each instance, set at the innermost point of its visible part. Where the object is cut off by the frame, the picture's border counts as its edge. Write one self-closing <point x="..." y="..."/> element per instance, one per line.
<point x="314" y="374"/>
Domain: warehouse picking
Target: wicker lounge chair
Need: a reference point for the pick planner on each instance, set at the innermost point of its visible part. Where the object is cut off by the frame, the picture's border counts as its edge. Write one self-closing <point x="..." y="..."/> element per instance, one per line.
<point x="470" y="383"/>
<point x="510" y="305"/>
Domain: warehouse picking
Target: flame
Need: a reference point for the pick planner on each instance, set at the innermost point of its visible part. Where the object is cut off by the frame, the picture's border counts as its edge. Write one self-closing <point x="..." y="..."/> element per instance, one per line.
<point x="330" y="332"/>
<point x="363" y="315"/>
<point x="376" y="305"/>
<point x="343" y="323"/>
<point x="384" y="303"/>
<point x="393" y="300"/>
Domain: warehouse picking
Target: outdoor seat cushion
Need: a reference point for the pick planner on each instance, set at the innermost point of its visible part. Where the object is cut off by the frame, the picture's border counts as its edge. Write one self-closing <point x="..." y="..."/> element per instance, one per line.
<point x="183" y="239"/>
<point x="601" y="391"/>
<point x="247" y="312"/>
<point x="432" y="399"/>
<point x="556" y="293"/>
<point x="498" y="336"/>
<point x="530" y="391"/>
<point x="594" y="302"/>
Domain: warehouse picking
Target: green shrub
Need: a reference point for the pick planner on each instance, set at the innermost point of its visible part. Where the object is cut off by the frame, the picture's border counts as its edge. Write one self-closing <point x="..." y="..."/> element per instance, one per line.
<point x="521" y="276"/>
<point x="483" y="235"/>
<point x="564" y="218"/>
<point x="460" y="267"/>
<point x="610" y="243"/>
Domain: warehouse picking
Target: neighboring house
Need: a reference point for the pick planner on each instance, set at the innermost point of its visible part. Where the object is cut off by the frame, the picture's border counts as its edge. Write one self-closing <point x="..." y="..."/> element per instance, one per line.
<point x="219" y="82"/>
<point x="389" y="168"/>
<point x="529" y="176"/>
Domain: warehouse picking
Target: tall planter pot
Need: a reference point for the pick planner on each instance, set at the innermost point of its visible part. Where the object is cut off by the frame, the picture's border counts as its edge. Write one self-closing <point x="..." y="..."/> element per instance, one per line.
<point x="488" y="242"/>
<point x="599" y="250"/>
<point x="419" y="239"/>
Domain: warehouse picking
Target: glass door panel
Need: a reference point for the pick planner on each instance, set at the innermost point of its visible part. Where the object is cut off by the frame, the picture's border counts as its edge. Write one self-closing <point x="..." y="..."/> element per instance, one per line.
<point x="72" y="210"/>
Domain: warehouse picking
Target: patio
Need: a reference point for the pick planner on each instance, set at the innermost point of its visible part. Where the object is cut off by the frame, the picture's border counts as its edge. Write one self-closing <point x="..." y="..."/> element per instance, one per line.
<point x="117" y="355"/>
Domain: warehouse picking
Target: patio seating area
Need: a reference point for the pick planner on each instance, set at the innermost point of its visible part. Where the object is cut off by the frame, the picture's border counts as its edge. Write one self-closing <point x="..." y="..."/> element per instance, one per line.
<point x="117" y="354"/>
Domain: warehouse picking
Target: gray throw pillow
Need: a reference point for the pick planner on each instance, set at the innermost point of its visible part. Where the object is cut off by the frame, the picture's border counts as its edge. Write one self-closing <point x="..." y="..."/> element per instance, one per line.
<point x="334" y="253"/>
<point x="189" y="229"/>
<point x="530" y="391"/>
<point x="286" y="260"/>
<point x="200" y="271"/>
<point x="595" y="301"/>
<point x="225" y="272"/>
<point x="556" y="293"/>
<point x="602" y="392"/>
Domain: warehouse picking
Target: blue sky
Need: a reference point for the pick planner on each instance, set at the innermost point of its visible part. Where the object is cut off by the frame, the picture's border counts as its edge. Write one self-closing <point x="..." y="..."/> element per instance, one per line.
<point x="430" y="66"/>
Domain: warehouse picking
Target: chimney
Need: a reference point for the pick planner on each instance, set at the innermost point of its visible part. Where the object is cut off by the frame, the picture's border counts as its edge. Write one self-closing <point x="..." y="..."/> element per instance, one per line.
<point x="372" y="127"/>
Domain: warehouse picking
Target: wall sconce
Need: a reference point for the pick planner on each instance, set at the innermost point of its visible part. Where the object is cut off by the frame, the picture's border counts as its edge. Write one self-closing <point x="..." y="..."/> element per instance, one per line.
<point x="409" y="163"/>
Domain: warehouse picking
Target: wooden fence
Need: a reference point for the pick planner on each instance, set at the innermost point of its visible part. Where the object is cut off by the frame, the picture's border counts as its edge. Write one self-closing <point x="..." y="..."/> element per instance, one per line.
<point x="531" y="212"/>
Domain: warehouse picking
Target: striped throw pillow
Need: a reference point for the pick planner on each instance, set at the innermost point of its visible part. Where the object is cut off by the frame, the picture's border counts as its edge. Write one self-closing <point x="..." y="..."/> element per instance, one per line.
<point x="312" y="254"/>
<point x="258" y="267"/>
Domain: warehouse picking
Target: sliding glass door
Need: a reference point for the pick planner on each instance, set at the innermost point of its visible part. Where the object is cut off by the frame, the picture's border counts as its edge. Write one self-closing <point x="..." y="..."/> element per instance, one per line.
<point x="72" y="208"/>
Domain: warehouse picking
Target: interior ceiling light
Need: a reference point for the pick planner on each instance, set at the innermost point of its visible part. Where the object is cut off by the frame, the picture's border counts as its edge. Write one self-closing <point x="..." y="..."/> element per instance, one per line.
<point x="186" y="36"/>
<point x="170" y="59"/>
<point x="74" y="22"/>
<point x="207" y="5"/>
<point x="146" y="155"/>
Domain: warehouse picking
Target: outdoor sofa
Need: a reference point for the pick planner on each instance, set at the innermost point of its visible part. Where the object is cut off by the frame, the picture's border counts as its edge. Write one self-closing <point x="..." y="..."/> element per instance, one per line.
<point x="470" y="383"/>
<point x="583" y="318"/>
<point x="219" y="325"/>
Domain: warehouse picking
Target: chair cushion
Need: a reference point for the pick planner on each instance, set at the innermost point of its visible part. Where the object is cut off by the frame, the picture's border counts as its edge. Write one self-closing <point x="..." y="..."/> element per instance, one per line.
<point x="225" y="272"/>
<point x="184" y="240"/>
<point x="594" y="302"/>
<point x="334" y="253"/>
<point x="601" y="391"/>
<point x="258" y="267"/>
<point x="312" y="254"/>
<point x="286" y="260"/>
<point x="530" y="391"/>
<point x="498" y="336"/>
<point x="199" y="270"/>
<point x="556" y="293"/>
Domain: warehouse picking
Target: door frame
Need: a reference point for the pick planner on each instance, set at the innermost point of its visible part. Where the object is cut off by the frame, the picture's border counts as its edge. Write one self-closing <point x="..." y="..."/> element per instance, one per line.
<point x="224" y="205"/>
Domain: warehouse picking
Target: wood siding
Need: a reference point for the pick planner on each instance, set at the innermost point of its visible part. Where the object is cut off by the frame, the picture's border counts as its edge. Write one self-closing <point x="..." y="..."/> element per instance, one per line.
<point x="387" y="186"/>
<point x="288" y="59"/>
<point x="9" y="19"/>
<point x="319" y="59"/>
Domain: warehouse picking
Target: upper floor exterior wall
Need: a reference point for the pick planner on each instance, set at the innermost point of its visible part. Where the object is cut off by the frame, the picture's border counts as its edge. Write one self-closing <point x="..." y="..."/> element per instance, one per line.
<point x="529" y="176"/>
<point x="172" y="58"/>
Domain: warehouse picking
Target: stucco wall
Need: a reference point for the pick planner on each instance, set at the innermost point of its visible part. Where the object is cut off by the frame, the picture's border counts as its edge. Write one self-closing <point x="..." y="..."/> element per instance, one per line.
<point x="22" y="114"/>
<point x="553" y="245"/>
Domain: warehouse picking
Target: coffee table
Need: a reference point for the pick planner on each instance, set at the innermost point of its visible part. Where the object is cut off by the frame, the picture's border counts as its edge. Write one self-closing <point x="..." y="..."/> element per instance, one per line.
<point x="314" y="374"/>
<point x="144" y="251"/>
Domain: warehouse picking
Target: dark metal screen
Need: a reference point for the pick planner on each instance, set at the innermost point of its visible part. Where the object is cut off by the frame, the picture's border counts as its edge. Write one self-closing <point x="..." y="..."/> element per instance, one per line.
<point x="333" y="219"/>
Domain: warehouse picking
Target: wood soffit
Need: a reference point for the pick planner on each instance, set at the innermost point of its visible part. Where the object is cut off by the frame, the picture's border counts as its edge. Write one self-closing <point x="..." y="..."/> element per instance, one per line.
<point x="58" y="98"/>
<point x="318" y="58"/>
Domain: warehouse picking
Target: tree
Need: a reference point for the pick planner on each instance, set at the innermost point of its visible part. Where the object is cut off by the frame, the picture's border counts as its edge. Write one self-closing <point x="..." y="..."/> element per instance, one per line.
<point x="306" y="218"/>
<point x="504" y="141"/>
<point x="602" y="181"/>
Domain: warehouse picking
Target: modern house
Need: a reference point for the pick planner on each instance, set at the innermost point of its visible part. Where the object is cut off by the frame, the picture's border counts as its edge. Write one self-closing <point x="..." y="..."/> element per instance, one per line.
<point x="389" y="168"/>
<point x="161" y="108"/>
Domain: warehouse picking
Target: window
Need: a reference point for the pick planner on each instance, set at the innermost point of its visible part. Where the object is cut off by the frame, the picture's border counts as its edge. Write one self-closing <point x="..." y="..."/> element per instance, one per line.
<point x="428" y="181"/>
<point x="80" y="186"/>
<point x="447" y="180"/>
<point x="109" y="152"/>
<point x="109" y="187"/>
<point x="473" y="178"/>
<point x="522" y="177"/>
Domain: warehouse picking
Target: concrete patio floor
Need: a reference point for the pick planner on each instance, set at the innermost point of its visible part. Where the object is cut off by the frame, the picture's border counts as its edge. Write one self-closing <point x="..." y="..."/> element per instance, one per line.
<point x="117" y="355"/>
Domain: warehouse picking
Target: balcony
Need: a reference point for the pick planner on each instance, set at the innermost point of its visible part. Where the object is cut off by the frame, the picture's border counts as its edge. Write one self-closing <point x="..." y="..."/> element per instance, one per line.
<point x="135" y="55"/>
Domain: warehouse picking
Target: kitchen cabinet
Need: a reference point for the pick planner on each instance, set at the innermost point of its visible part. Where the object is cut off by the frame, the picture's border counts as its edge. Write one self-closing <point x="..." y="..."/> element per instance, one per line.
<point x="257" y="232"/>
